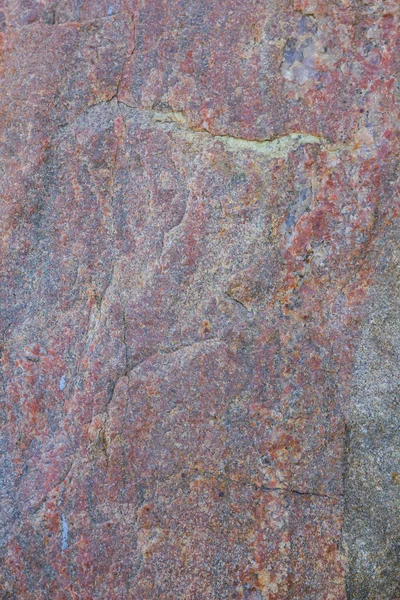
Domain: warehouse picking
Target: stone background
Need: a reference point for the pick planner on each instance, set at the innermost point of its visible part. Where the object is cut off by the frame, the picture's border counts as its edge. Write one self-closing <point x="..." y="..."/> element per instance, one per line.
<point x="199" y="312"/>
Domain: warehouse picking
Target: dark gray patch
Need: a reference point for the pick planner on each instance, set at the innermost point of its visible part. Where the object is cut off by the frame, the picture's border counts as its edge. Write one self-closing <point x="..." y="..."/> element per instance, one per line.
<point x="308" y="24"/>
<point x="292" y="52"/>
<point x="3" y="24"/>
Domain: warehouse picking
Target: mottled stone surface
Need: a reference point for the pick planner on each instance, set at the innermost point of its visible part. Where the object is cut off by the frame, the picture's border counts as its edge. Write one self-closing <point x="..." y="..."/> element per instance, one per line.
<point x="199" y="315"/>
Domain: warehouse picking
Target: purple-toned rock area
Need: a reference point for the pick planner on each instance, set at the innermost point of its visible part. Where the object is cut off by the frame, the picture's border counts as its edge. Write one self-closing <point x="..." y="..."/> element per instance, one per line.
<point x="199" y="301"/>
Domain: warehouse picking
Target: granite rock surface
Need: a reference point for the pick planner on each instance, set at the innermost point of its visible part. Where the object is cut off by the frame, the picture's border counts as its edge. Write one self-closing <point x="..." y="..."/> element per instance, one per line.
<point x="199" y="304"/>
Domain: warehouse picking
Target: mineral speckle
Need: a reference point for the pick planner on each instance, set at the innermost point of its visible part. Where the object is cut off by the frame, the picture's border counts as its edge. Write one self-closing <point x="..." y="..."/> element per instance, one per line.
<point x="199" y="319"/>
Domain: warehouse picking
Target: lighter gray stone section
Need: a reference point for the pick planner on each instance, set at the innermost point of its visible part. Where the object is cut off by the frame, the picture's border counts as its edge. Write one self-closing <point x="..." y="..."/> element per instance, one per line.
<point x="372" y="482"/>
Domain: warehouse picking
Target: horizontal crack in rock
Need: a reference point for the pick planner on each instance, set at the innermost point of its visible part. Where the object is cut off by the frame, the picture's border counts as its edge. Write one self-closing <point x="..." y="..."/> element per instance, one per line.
<point x="276" y="147"/>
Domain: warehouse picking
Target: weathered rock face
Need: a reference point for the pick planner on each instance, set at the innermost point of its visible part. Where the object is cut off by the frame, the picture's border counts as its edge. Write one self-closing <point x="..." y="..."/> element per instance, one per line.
<point x="372" y="528"/>
<point x="198" y="306"/>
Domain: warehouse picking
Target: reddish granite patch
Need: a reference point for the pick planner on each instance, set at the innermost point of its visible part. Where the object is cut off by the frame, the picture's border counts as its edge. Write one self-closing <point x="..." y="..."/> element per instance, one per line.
<point x="180" y="308"/>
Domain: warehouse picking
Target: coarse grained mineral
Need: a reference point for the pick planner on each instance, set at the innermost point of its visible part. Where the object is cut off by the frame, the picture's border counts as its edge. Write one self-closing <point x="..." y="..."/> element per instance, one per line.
<point x="199" y="309"/>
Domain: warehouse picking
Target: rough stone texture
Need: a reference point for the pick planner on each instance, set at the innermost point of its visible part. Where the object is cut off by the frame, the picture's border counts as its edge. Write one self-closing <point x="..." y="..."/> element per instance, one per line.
<point x="372" y="525"/>
<point x="198" y="310"/>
